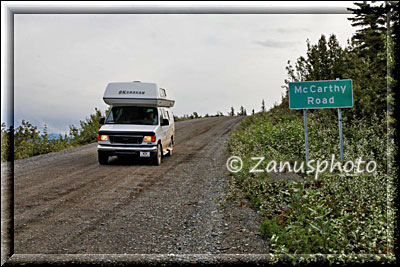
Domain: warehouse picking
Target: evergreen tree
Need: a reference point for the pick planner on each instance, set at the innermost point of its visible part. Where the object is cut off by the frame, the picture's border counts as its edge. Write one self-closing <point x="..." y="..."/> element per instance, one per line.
<point x="323" y="61"/>
<point x="242" y="111"/>
<point x="328" y="61"/>
<point x="372" y="47"/>
<point x="372" y="20"/>
<point x="263" y="106"/>
<point x="88" y="130"/>
<point x="232" y="112"/>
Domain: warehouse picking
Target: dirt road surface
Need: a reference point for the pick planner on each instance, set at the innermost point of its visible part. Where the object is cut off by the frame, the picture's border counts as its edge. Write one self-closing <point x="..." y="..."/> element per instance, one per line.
<point x="66" y="203"/>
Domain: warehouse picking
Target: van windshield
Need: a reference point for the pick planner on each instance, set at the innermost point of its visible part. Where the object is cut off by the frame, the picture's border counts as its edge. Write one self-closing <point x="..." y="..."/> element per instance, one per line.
<point x="133" y="115"/>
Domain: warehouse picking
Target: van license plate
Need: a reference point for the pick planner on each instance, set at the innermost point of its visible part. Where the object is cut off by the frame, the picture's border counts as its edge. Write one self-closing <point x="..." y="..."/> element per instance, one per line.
<point x="144" y="154"/>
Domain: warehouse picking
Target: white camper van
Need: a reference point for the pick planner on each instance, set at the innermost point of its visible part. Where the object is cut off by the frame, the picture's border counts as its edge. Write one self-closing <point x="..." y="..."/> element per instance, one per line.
<point x="140" y="122"/>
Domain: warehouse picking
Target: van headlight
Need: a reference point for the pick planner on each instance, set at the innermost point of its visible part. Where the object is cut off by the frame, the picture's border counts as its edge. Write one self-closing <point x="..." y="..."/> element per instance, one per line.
<point x="103" y="137"/>
<point x="149" y="138"/>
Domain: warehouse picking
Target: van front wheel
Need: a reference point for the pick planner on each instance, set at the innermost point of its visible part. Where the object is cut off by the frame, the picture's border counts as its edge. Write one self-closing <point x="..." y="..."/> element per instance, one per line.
<point x="157" y="158"/>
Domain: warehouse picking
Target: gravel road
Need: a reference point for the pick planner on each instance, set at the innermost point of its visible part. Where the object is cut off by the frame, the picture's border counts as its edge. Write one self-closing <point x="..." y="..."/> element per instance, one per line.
<point x="66" y="203"/>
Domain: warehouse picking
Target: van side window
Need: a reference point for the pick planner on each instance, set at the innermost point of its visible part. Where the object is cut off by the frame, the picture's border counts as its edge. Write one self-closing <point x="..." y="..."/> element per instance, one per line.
<point x="165" y="114"/>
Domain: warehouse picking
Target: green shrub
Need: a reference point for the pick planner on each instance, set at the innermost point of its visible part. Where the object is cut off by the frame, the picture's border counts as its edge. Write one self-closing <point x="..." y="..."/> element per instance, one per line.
<point x="29" y="141"/>
<point x="88" y="130"/>
<point x="332" y="215"/>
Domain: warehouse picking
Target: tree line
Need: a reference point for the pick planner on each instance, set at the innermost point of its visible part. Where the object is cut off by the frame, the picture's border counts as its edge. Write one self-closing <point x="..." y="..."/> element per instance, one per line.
<point x="242" y="111"/>
<point x="368" y="59"/>
<point x="26" y="140"/>
<point x="196" y="115"/>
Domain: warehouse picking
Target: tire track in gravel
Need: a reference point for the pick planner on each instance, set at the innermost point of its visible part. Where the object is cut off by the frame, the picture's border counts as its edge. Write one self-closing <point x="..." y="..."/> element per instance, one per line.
<point x="179" y="158"/>
<point x="57" y="197"/>
<point x="116" y="242"/>
<point x="56" y="207"/>
<point x="60" y="162"/>
<point x="129" y="194"/>
<point x="78" y="201"/>
<point x="62" y="179"/>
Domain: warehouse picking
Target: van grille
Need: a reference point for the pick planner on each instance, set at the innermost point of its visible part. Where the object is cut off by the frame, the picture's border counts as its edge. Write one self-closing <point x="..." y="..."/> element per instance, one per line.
<point x="120" y="139"/>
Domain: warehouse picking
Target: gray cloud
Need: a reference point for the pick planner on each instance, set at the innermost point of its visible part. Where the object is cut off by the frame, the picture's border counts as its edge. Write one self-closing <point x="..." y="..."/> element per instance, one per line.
<point x="277" y="44"/>
<point x="289" y="30"/>
<point x="206" y="62"/>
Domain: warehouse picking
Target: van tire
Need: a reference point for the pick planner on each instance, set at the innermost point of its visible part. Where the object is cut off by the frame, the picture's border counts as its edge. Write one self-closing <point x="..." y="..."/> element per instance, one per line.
<point x="103" y="158"/>
<point x="171" y="148"/>
<point x="157" y="158"/>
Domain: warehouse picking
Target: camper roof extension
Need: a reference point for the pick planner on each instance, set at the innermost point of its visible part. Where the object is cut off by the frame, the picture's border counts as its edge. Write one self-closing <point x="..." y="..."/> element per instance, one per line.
<point x="136" y="94"/>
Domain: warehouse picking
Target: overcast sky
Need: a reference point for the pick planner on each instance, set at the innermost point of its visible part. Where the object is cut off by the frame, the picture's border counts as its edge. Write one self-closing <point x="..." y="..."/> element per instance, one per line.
<point x="207" y="63"/>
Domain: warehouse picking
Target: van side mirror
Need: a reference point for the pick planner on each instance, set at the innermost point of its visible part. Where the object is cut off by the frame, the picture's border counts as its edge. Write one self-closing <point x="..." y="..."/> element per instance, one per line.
<point x="165" y="122"/>
<point x="101" y="120"/>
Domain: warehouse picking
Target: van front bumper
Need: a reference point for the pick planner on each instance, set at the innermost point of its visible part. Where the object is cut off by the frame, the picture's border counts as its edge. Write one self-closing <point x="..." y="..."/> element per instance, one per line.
<point x="118" y="150"/>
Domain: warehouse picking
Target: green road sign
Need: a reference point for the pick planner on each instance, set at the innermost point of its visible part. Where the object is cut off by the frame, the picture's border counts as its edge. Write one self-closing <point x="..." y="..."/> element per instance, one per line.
<point x="321" y="94"/>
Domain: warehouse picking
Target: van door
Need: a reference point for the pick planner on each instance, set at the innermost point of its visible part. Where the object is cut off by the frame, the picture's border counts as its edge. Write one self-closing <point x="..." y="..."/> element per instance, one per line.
<point x="171" y="126"/>
<point x="164" y="129"/>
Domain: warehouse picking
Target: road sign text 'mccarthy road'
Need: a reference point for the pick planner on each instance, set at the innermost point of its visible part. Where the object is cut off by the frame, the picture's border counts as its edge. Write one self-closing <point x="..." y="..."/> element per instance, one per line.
<point x="321" y="94"/>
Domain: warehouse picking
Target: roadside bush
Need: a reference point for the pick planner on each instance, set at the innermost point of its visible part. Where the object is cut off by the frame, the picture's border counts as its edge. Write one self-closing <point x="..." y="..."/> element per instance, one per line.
<point x="88" y="130"/>
<point x="332" y="215"/>
<point x="5" y="142"/>
<point x="29" y="141"/>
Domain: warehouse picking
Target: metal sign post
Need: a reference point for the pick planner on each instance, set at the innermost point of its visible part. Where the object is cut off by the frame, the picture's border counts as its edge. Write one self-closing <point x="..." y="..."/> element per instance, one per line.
<point x="305" y="132"/>
<point x="340" y="134"/>
<point x="321" y="94"/>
